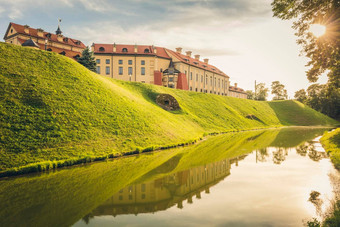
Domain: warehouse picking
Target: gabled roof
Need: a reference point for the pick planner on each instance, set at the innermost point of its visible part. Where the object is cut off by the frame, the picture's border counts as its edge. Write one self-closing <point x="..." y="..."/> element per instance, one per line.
<point x="122" y="49"/>
<point x="237" y="89"/>
<point x="199" y="64"/>
<point x="30" y="43"/>
<point x="46" y="35"/>
<point x="68" y="53"/>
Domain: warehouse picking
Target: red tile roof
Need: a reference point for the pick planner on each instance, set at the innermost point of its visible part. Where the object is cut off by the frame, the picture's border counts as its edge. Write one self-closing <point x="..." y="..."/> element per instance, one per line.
<point x="237" y="89"/>
<point x="108" y="49"/>
<point x="199" y="64"/>
<point x="68" y="53"/>
<point x="34" y="33"/>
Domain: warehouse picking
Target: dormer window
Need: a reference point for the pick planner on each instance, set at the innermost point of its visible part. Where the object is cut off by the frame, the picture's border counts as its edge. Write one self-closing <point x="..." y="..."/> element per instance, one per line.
<point x="204" y="66"/>
<point x="49" y="49"/>
<point x="196" y="63"/>
<point x="65" y="40"/>
<point x="146" y="51"/>
<point x="101" y="49"/>
<point x="78" y="42"/>
<point x="124" y="50"/>
<point x="48" y="35"/>
<point x="187" y="60"/>
<point x="63" y="53"/>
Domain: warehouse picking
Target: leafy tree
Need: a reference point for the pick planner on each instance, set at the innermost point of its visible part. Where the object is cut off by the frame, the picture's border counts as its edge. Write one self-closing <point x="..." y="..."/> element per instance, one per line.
<point x="301" y="95"/>
<point x="250" y="94"/>
<point x="261" y="92"/>
<point x="87" y="59"/>
<point x="279" y="91"/>
<point x="323" y="52"/>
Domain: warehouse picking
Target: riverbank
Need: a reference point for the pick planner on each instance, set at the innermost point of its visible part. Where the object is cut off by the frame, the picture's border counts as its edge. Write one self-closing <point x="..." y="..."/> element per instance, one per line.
<point x="331" y="143"/>
<point x="54" y="113"/>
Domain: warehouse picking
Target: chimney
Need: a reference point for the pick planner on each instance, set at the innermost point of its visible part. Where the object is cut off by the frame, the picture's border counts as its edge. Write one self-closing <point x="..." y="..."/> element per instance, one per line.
<point x="179" y="50"/>
<point x="197" y="57"/>
<point x="114" y="48"/>
<point x="60" y="37"/>
<point x="188" y="53"/>
<point x="40" y="32"/>
<point x="135" y="49"/>
<point x="26" y="29"/>
<point x="154" y="49"/>
<point x="206" y="60"/>
<point x="235" y="85"/>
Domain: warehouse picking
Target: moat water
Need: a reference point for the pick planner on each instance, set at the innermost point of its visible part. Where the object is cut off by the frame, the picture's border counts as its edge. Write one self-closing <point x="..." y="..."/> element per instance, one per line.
<point x="256" y="178"/>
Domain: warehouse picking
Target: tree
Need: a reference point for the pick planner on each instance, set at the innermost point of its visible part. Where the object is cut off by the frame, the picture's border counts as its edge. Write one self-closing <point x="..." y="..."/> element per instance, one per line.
<point x="279" y="91"/>
<point x="87" y="60"/>
<point x="301" y="95"/>
<point x="250" y="94"/>
<point x="323" y="52"/>
<point x="261" y="92"/>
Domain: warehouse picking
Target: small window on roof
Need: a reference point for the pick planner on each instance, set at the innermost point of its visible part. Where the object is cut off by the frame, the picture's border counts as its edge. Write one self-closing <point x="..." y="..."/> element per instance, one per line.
<point x="48" y="35"/>
<point x="196" y="63"/>
<point x="63" y="53"/>
<point x="66" y="40"/>
<point x="49" y="49"/>
<point x="124" y="50"/>
<point x="146" y="50"/>
<point x="101" y="49"/>
<point x="78" y="42"/>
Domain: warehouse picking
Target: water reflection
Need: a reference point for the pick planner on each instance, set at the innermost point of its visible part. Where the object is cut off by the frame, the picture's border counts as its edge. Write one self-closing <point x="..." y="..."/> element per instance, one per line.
<point x="160" y="181"/>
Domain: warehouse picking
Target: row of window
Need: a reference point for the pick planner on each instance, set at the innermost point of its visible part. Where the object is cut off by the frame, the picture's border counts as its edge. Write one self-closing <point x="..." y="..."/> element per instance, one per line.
<point x="125" y="50"/>
<point x="206" y="80"/>
<point x="206" y="91"/>
<point x="120" y="61"/>
<point x="120" y="70"/>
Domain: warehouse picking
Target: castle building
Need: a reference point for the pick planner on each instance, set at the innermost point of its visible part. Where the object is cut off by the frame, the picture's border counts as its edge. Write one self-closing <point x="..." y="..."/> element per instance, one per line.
<point x="26" y="36"/>
<point x="160" y="66"/>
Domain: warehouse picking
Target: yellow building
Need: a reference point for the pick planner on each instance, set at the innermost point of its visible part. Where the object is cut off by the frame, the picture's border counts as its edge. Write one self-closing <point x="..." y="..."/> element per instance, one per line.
<point x="160" y="66"/>
<point x="19" y="34"/>
<point x="237" y="92"/>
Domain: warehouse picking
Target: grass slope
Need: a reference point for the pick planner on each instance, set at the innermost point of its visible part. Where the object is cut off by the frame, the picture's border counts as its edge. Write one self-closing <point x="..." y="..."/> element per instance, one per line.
<point x="54" y="110"/>
<point x="331" y="142"/>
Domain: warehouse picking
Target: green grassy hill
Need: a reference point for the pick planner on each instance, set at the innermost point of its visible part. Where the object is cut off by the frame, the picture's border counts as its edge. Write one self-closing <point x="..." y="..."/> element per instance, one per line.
<point x="55" y="112"/>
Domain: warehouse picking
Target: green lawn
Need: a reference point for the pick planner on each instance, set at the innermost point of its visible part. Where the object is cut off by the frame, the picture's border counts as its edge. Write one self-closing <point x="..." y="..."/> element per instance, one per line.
<point x="55" y="112"/>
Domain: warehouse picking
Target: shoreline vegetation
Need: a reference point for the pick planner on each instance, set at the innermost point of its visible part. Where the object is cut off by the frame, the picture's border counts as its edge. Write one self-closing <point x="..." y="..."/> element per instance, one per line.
<point x="55" y="113"/>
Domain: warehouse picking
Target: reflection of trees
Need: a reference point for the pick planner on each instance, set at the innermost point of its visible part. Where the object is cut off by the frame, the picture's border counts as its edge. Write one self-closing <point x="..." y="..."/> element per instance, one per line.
<point x="302" y="149"/>
<point x="279" y="156"/>
<point x="262" y="154"/>
<point x="309" y="148"/>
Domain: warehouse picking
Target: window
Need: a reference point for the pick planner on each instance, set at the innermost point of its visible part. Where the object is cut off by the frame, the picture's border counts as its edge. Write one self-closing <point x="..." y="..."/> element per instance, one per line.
<point x="98" y="69"/>
<point x="143" y="196"/>
<point x="185" y="72"/>
<point x="120" y="62"/>
<point x="130" y="62"/>
<point x="107" y="70"/>
<point x="124" y="50"/>
<point x="171" y="79"/>
<point x="107" y="61"/>
<point x="49" y="49"/>
<point x="146" y="51"/>
<point x="201" y="78"/>
<point x="130" y="70"/>
<point x="120" y="197"/>
<point x="196" y="77"/>
<point x="143" y="82"/>
<point x="120" y="70"/>
<point x="190" y="88"/>
<point x="98" y="61"/>
<point x="142" y="62"/>
<point x="191" y="76"/>
<point x="130" y="197"/>
<point x="11" y="30"/>
<point x="206" y="80"/>
<point x="143" y="71"/>
<point x="101" y="49"/>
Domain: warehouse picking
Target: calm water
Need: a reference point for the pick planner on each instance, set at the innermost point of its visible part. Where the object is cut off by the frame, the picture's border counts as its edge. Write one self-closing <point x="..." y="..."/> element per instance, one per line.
<point x="257" y="178"/>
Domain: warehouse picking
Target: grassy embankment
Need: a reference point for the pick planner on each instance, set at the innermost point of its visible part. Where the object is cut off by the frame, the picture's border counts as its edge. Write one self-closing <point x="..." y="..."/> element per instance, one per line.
<point x="54" y="112"/>
<point x="331" y="143"/>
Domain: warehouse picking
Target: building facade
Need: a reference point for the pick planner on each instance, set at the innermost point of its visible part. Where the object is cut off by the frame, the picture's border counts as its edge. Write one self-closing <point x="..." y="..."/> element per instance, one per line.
<point x="237" y="92"/>
<point x="160" y="66"/>
<point x="18" y="34"/>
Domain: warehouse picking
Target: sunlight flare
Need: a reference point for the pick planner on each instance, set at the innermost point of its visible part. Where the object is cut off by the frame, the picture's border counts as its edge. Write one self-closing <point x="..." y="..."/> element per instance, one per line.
<point x="317" y="29"/>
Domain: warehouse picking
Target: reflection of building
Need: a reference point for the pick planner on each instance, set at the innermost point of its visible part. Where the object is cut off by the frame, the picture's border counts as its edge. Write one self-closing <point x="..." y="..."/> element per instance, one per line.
<point x="160" y="66"/>
<point x="26" y="36"/>
<point x="165" y="192"/>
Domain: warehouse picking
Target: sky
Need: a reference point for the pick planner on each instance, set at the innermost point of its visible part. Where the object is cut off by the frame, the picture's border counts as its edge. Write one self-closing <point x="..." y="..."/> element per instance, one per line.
<point x="240" y="37"/>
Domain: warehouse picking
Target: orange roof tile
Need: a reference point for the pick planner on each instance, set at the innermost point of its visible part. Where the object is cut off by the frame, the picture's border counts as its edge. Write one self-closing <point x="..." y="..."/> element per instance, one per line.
<point x="34" y="33"/>
<point x="199" y="64"/>
<point x="68" y="53"/>
<point x="237" y="89"/>
<point x="130" y="49"/>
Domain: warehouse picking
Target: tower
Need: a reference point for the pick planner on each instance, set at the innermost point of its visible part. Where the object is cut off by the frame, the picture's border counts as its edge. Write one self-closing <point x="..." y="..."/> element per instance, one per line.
<point x="58" y="32"/>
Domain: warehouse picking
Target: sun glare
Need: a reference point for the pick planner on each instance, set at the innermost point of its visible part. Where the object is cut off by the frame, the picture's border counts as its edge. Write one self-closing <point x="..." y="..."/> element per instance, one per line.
<point x="317" y="29"/>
